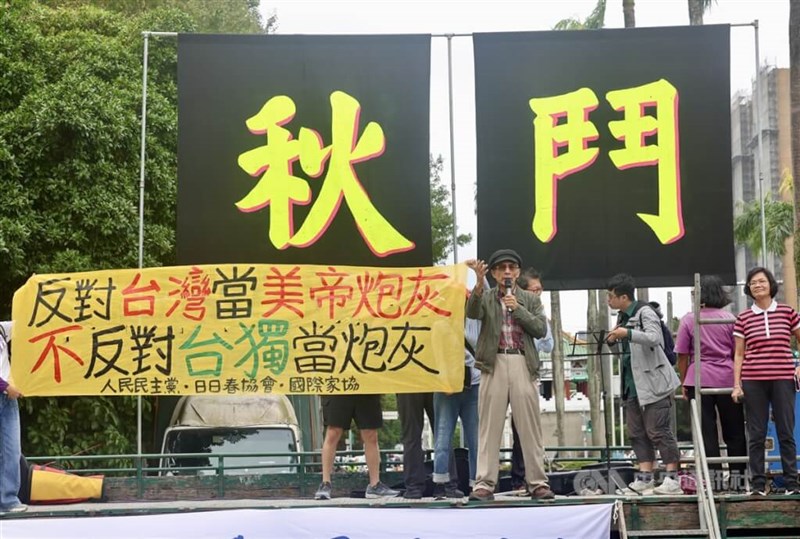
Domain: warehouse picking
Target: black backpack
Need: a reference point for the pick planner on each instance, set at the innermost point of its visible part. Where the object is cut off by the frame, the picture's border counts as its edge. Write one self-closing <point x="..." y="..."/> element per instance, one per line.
<point x="669" y="343"/>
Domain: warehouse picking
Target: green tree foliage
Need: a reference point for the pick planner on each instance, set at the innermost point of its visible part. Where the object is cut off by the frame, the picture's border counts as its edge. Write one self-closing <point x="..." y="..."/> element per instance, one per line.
<point x="779" y="218"/>
<point x="70" y="102"/>
<point x="442" y="222"/>
<point x="217" y="16"/>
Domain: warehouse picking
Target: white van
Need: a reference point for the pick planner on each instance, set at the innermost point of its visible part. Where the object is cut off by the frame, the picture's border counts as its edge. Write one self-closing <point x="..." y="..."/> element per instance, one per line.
<point x="232" y="424"/>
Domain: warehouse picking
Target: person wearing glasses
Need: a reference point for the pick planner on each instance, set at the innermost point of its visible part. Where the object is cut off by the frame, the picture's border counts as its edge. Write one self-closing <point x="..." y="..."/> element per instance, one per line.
<point x="511" y="318"/>
<point x="764" y="375"/>
<point x="530" y="280"/>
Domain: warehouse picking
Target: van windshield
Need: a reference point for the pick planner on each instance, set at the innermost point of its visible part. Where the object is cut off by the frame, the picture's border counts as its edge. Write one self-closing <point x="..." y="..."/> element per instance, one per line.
<point x="229" y="440"/>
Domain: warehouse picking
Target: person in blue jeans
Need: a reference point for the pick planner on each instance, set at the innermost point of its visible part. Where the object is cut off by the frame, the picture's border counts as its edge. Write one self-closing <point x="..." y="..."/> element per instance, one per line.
<point x="530" y="280"/>
<point x="447" y="409"/>
<point x="10" y="446"/>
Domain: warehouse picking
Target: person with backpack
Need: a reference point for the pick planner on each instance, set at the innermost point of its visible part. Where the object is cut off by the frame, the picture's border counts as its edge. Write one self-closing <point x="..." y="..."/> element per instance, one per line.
<point x="10" y="445"/>
<point x="716" y="369"/>
<point x="648" y="386"/>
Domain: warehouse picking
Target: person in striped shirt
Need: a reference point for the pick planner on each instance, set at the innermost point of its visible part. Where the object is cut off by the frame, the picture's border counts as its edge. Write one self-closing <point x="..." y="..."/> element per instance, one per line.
<point x="764" y="373"/>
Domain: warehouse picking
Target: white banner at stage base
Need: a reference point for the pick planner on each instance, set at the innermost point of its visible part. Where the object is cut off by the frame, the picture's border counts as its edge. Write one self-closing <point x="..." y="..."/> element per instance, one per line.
<point x="549" y="522"/>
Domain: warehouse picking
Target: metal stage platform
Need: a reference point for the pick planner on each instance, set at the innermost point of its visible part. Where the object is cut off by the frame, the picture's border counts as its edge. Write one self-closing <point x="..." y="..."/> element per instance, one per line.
<point x="644" y="516"/>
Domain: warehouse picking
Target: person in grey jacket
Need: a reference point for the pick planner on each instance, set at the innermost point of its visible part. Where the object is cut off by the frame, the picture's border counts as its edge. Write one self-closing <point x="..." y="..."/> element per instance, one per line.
<point x="509" y="363"/>
<point x="648" y="386"/>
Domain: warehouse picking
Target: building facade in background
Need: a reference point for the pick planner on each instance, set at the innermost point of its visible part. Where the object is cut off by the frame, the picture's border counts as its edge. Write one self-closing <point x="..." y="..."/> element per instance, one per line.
<point x="776" y="163"/>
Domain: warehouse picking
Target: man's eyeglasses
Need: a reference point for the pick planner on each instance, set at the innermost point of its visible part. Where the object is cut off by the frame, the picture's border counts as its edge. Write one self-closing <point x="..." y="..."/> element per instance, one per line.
<point x="506" y="266"/>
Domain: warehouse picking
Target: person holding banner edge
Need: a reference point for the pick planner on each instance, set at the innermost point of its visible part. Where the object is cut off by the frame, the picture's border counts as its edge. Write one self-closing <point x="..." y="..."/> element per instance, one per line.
<point x="509" y="363"/>
<point x="448" y="408"/>
<point x="10" y="446"/>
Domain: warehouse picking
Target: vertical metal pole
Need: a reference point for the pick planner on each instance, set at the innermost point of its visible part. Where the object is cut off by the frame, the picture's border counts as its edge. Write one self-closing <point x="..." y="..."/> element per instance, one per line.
<point x="146" y="36"/>
<point x="452" y="146"/>
<point x="759" y="155"/>
<point x="696" y="353"/>
<point x="606" y="401"/>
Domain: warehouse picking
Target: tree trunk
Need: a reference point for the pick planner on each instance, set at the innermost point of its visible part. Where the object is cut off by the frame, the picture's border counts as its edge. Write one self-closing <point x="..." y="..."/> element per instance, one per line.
<point x="606" y="360"/>
<point x="558" y="364"/>
<point x="696" y="9"/>
<point x="794" y="89"/>
<point x="629" y="12"/>
<point x="594" y="367"/>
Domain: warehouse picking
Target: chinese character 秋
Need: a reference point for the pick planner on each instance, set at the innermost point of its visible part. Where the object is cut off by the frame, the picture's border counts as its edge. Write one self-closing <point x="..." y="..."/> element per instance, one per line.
<point x="278" y="188"/>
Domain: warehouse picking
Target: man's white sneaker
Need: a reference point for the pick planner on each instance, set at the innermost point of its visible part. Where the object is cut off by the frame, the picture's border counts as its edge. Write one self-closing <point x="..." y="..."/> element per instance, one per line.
<point x="669" y="487"/>
<point x="642" y="487"/>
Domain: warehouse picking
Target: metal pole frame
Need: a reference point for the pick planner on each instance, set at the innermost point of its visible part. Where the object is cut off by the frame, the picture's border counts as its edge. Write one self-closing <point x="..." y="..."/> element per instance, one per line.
<point x="760" y="150"/>
<point x="452" y="145"/>
<point x="757" y="110"/>
<point x="143" y="146"/>
<point x="142" y="159"/>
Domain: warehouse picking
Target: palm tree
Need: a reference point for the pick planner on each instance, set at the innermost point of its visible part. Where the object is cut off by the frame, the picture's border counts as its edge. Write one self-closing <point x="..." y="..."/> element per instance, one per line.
<point x="779" y="221"/>
<point x="629" y="12"/>
<point x="594" y="21"/>
<point x="696" y="10"/>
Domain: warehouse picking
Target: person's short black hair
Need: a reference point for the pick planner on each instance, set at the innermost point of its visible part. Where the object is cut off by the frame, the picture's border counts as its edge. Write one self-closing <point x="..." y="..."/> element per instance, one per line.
<point x="622" y="284"/>
<point x="526" y="276"/>
<point x="773" y="284"/>
<point x="713" y="292"/>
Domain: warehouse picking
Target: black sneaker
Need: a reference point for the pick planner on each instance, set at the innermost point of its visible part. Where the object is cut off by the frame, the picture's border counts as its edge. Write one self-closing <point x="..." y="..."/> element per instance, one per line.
<point x="443" y="490"/>
<point x="413" y="493"/>
<point x="324" y="491"/>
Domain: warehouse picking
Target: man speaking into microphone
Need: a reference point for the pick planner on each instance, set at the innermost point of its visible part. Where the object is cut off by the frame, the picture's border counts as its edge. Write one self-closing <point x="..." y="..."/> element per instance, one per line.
<point x="506" y="356"/>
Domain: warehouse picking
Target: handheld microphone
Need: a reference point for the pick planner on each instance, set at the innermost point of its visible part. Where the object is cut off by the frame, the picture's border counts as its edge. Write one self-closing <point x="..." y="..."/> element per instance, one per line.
<point x="507" y="284"/>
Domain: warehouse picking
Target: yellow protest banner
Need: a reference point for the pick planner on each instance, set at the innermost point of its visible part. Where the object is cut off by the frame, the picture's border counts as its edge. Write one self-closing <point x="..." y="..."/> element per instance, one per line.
<point x="240" y="329"/>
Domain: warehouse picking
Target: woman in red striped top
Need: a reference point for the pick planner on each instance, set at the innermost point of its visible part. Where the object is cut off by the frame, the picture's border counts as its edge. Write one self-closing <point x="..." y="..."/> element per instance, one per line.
<point x="764" y="371"/>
